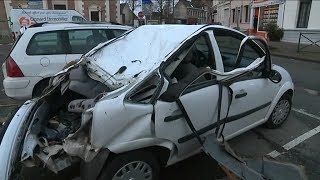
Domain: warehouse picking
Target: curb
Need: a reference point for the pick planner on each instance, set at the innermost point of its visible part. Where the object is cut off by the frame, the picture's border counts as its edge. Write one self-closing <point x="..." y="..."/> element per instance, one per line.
<point x="8" y="105"/>
<point x="9" y="44"/>
<point x="295" y="58"/>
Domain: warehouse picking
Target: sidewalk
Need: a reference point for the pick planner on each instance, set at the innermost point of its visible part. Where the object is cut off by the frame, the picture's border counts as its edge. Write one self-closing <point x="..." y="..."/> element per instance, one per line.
<point x="289" y="50"/>
<point x="5" y="111"/>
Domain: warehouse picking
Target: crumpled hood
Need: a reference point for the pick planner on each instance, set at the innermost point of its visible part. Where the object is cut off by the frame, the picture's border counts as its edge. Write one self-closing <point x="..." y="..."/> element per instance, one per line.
<point x="136" y="54"/>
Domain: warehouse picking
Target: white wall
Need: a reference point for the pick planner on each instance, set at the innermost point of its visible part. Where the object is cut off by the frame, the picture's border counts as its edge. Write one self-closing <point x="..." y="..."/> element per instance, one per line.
<point x="119" y="19"/>
<point x="223" y="12"/>
<point x="8" y="8"/>
<point x="78" y="6"/>
<point x="107" y="12"/>
<point x="291" y="33"/>
<point x="314" y="21"/>
<point x="291" y="14"/>
<point x="45" y="4"/>
<point x="280" y="15"/>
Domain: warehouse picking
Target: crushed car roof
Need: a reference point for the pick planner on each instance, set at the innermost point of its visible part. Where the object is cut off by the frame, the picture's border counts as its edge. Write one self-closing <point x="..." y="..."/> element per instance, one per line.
<point x="140" y="51"/>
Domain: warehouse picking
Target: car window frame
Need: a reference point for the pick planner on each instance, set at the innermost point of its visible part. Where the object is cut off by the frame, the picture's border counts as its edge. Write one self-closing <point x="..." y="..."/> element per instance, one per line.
<point x="195" y="86"/>
<point x="112" y="31"/>
<point x="189" y="87"/>
<point x="211" y="52"/>
<point x="187" y="44"/>
<point x="63" y="42"/>
<point x="250" y="43"/>
<point x="138" y="86"/>
<point x="108" y="32"/>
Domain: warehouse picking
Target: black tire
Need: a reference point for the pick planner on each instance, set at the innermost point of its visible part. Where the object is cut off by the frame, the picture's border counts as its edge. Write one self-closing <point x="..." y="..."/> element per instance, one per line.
<point x="38" y="88"/>
<point x="272" y="122"/>
<point x="120" y="161"/>
<point x="4" y="128"/>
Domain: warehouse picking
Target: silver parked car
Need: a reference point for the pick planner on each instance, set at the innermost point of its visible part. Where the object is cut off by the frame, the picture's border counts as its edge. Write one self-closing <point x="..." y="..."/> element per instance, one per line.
<point x="143" y="100"/>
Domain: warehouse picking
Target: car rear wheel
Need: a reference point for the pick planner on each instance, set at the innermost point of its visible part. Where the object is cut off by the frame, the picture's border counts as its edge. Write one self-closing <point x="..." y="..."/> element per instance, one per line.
<point x="280" y="112"/>
<point x="140" y="165"/>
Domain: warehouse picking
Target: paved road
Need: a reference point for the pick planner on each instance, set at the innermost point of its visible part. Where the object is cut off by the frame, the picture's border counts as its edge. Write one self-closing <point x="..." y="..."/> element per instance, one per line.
<point x="301" y="129"/>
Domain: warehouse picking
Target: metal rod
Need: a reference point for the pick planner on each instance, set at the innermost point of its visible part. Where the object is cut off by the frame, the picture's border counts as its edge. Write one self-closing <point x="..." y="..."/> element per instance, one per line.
<point x="299" y="43"/>
<point x="309" y="39"/>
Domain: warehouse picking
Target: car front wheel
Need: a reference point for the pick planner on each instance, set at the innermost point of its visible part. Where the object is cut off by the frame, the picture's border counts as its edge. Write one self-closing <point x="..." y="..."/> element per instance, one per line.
<point x="142" y="165"/>
<point x="280" y="112"/>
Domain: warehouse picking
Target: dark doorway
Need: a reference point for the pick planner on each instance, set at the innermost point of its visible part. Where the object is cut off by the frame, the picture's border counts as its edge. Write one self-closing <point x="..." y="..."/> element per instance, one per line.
<point x="59" y="6"/>
<point x="123" y="18"/>
<point x="94" y="16"/>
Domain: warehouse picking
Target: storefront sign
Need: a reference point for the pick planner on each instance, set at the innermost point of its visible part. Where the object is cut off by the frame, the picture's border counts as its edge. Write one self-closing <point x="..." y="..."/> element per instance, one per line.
<point x="261" y="3"/>
<point x="269" y="14"/>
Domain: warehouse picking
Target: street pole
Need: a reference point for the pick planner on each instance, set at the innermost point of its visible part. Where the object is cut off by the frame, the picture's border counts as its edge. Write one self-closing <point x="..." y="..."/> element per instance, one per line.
<point x="133" y="12"/>
<point x="251" y="16"/>
<point x="173" y="20"/>
<point x="229" y="14"/>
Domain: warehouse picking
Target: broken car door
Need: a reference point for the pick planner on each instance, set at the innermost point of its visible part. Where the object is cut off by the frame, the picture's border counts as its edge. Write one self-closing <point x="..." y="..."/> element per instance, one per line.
<point x="198" y="102"/>
<point x="192" y="93"/>
<point x="252" y="91"/>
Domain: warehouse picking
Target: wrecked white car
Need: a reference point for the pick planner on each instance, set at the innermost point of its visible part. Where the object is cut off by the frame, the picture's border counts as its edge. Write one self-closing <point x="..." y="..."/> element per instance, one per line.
<point x="144" y="100"/>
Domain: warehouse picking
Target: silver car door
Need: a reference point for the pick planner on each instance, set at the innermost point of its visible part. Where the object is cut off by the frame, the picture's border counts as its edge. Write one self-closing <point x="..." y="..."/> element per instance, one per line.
<point x="253" y="92"/>
<point x="198" y="101"/>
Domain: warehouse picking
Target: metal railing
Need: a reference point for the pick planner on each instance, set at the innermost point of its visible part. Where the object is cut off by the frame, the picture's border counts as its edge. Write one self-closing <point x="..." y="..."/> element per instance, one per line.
<point x="310" y="41"/>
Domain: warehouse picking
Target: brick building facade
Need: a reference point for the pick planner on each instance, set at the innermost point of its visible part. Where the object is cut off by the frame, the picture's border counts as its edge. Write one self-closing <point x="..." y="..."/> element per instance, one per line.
<point x="92" y="10"/>
<point x="192" y="12"/>
<point x="3" y="20"/>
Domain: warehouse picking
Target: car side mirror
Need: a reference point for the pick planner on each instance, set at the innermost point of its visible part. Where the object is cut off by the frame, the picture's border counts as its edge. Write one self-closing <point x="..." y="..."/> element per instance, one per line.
<point x="275" y="76"/>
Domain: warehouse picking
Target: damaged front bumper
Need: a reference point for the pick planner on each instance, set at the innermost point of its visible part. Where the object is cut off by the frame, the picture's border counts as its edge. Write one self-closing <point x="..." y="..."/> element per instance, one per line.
<point x="78" y="144"/>
<point x="20" y="146"/>
<point x="54" y="155"/>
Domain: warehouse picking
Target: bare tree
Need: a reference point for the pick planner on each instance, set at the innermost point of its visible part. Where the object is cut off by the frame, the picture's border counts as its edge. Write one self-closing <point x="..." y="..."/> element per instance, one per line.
<point x="164" y="8"/>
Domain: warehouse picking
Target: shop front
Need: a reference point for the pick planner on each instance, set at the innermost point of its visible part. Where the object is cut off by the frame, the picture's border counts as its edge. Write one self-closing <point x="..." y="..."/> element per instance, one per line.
<point x="265" y="12"/>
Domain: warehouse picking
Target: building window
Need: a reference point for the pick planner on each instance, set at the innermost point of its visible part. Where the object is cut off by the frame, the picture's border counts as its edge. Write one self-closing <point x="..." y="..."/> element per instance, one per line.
<point x="95" y="13"/>
<point x="233" y="15"/>
<point x="60" y="6"/>
<point x="304" y="13"/>
<point x="123" y="19"/>
<point x="246" y="13"/>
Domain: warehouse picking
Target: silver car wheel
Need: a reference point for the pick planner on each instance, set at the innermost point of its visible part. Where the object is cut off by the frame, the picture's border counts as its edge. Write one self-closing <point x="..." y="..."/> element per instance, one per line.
<point x="281" y="111"/>
<point x="136" y="170"/>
